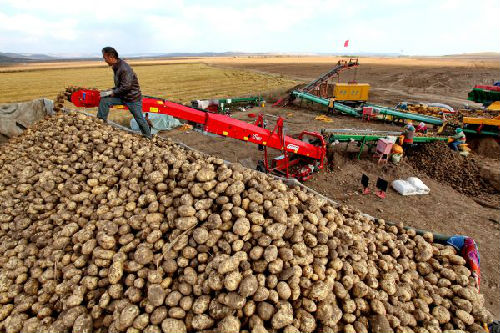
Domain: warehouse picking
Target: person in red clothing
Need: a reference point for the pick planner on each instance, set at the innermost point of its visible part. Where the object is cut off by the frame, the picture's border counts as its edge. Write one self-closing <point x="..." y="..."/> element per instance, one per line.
<point x="422" y="128"/>
<point x="408" y="134"/>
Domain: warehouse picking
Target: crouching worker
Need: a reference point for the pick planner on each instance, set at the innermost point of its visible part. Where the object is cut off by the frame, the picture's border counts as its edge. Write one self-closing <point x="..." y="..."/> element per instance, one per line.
<point x="457" y="139"/>
<point x="422" y="128"/>
<point x="126" y="91"/>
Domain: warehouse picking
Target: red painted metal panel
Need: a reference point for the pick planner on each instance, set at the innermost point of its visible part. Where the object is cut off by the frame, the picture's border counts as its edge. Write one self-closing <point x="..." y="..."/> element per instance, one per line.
<point x="217" y="124"/>
<point x="485" y="87"/>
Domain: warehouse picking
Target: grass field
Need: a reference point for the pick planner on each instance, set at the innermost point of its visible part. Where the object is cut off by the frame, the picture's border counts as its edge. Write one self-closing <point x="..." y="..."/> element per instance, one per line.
<point x="180" y="82"/>
<point x="177" y="82"/>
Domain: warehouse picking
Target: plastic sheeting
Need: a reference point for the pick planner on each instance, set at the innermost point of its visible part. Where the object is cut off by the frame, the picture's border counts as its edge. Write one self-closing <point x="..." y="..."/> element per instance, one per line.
<point x="411" y="186"/>
<point x="404" y="106"/>
<point x="441" y="105"/>
<point x="160" y="122"/>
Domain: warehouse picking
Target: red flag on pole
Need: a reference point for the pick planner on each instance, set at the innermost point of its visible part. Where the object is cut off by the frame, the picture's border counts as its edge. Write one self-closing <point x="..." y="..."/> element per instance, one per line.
<point x="346" y="43"/>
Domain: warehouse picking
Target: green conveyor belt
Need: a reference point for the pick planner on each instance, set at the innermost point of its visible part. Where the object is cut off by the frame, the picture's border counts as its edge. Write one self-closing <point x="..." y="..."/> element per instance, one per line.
<point x="406" y="115"/>
<point x="360" y="137"/>
<point x="483" y="96"/>
<point x="380" y="109"/>
<point x="338" y="106"/>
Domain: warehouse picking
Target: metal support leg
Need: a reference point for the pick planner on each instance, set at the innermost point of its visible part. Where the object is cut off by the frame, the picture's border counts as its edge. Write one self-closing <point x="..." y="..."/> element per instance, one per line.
<point x="361" y="147"/>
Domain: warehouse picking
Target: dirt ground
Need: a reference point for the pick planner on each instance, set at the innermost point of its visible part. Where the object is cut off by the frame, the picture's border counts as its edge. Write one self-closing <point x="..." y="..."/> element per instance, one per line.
<point x="443" y="210"/>
<point x="444" y="80"/>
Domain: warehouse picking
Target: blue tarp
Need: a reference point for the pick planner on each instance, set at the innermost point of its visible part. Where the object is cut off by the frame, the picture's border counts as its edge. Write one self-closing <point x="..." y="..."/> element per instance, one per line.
<point x="161" y="122"/>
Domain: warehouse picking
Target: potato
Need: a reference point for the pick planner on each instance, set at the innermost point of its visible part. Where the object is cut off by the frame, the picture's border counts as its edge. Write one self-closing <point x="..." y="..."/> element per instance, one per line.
<point x="185" y="223"/>
<point x="156" y="294"/>
<point x="276" y="230"/>
<point x="283" y="317"/>
<point x="265" y="310"/>
<point x="141" y="321"/>
<point x="229" y="324"/>
<point x="380" y="324"/>
<point x="319" y="291"/>
<point x="158" y="315"/>
<point x="241" y="227"/>
<point x="143" y="255"/>
<point x="127" y="317"/>
<point x="115" y="272"/>
<point x="176" y="313"/>
<point x="465" y="317"/>
<point x="307" y="322"/>
<point x="186" y="211"/>
<point x="171" y="325"/>
<point x="200" y="304"/>
<point x="378" y="307"/>
<point x="236" y="188"/>
<point x="202" y="322"/>
<point x="232" y="280"/>
<point x="204" y="175"/>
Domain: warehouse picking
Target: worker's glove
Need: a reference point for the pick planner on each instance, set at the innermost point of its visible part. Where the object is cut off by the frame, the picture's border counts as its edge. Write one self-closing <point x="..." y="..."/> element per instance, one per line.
<point x="106" y="93"/>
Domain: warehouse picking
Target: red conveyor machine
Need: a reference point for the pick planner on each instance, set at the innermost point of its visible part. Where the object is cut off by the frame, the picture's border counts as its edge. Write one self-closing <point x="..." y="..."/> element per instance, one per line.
<point x="300" y="157"/>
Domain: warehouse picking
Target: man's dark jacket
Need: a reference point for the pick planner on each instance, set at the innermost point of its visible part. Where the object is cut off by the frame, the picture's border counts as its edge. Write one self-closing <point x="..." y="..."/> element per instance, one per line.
<point x="126" y="82"/>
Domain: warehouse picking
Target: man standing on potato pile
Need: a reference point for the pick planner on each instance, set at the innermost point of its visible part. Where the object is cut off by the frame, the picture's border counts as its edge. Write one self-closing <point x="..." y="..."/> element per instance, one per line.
<point x="126" y="91"/>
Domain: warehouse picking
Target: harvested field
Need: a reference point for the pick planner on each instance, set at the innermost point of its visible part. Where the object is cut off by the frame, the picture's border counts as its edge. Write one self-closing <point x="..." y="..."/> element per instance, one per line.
<point x="445" y="79"/>
<point x="105" y="231"/>
<point x="177" y="82"/>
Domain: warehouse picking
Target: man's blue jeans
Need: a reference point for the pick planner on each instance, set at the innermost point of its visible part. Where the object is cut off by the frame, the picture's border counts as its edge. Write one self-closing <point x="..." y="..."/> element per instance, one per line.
<point x="454" y="145"/>
<point x="134" y="107"/>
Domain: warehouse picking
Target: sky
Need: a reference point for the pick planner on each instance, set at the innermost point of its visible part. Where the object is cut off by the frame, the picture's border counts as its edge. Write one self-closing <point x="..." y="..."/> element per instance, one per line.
<point x="410" y="27"/>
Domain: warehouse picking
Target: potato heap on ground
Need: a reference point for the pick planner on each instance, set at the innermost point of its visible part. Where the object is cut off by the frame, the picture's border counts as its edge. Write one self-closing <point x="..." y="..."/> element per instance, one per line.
<point x="104" y="231"/>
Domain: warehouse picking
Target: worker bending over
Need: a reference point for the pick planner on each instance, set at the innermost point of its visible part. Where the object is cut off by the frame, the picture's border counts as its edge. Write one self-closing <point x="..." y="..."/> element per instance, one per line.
<point x="331" y="105"/>
<point x="126" y="91"/>
<point x="457" y="139"/>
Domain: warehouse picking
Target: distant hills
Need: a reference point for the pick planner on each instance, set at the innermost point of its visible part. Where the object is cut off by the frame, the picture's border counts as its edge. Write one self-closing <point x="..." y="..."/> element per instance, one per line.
<point x="475" y="55"/>
<point x="7" y="58"/>
<point x="37" y="57"/>
<point x="24" y="57"/>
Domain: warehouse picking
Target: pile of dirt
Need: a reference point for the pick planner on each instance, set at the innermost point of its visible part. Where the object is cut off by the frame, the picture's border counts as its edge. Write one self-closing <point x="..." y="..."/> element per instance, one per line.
<point x="443" y="164"/>
<point x="485" y="146"/>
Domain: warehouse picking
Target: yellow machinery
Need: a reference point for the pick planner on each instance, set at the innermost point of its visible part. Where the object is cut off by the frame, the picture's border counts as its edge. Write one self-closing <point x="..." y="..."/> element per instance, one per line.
<point x="495" y="106"/>
<point x="482" y="121"/>
<point x="356" y="92"/>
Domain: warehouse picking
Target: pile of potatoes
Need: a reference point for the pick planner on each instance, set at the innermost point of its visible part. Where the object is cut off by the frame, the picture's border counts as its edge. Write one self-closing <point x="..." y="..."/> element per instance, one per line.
<point x="104" y="231"/>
